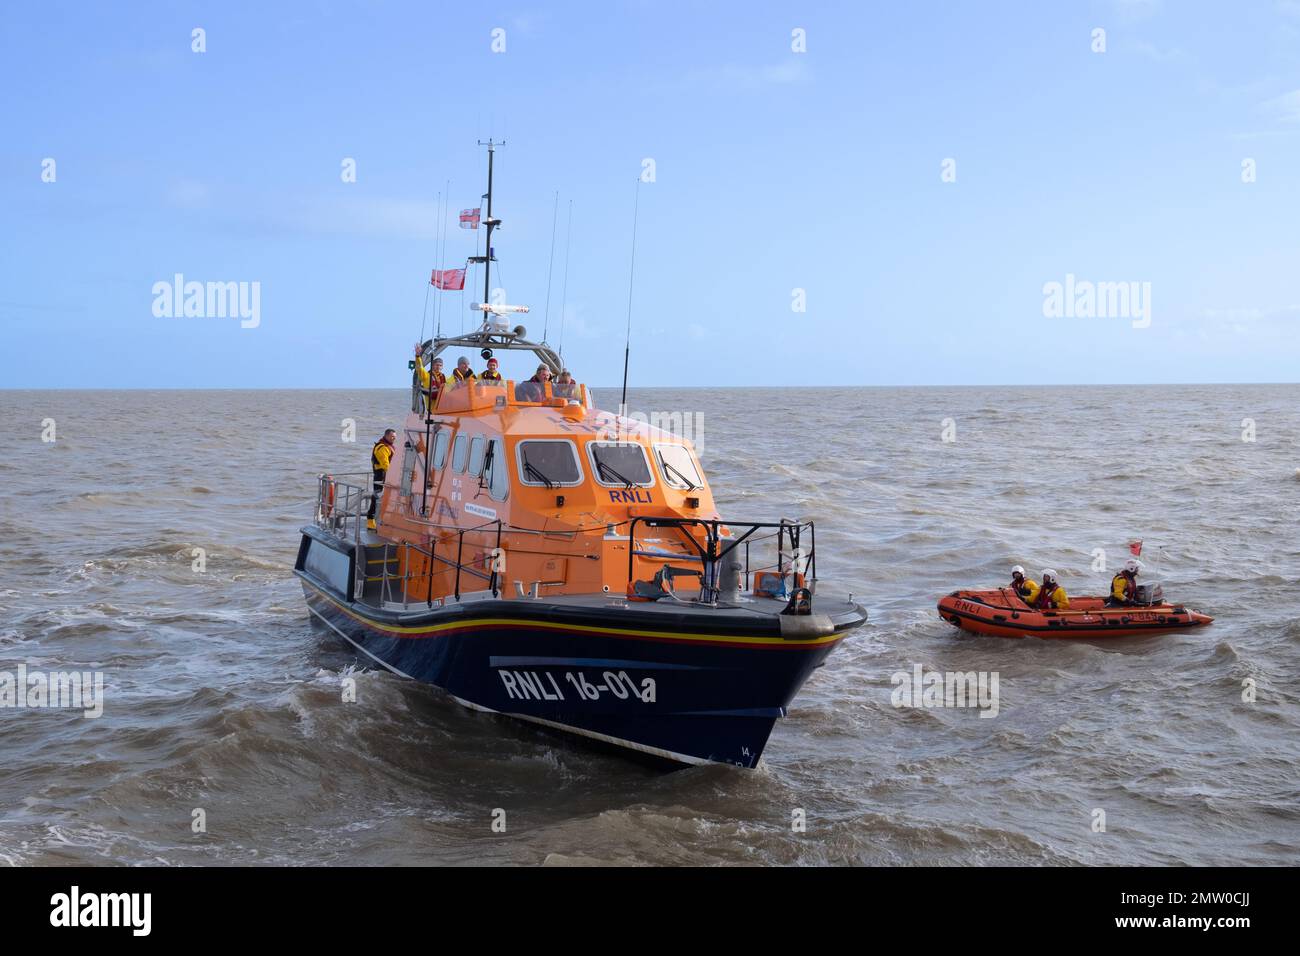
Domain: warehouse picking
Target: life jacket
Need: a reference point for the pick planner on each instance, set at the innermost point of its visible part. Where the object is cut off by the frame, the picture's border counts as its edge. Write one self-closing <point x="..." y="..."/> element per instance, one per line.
<point x="1130" y="586"/>
<point x="464" y="376"/>
<point x="436" y="381"/>
<point x="1022" y="588"/>
<point x="490" y="376"/>
<point x="1045" y="593"/>
<point x="375" y="463"/>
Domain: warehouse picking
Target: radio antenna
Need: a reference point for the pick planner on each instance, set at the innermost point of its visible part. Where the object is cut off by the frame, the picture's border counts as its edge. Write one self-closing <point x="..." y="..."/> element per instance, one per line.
<point x="564" y="296"/>
<point x="444" y="202"/>
<point x="631" y="274"/>
<point x="424" y="313"/>
<point x="555" y="217"/>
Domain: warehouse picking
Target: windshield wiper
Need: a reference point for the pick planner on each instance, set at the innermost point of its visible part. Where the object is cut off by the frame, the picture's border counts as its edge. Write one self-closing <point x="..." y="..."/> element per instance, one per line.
<point x="609" y="469"/>
<point x="532" y="471"/>
<point x="690" y="485"/>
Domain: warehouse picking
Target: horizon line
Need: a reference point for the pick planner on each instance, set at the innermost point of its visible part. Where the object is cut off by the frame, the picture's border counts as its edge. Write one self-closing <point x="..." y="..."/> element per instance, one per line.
<point x="402" y="388"/>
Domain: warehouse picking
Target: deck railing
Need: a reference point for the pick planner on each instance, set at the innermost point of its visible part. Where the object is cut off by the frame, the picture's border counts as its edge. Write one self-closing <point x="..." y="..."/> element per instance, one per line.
<point x="342" y="505"/>
<point x="791" y="555"/>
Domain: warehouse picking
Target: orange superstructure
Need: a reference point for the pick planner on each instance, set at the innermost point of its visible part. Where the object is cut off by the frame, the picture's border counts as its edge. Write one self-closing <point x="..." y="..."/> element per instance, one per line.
<point x="472" y="504"/>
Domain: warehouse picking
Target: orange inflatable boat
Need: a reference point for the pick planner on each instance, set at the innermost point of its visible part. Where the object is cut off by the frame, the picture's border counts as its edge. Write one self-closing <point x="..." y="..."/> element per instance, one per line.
<point x="1001" y="613"/>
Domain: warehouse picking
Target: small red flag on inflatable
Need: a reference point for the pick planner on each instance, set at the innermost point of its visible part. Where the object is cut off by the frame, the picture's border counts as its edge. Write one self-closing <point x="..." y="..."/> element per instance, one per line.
<point x="1136" y="548"/>
<point x="452" y="279"/>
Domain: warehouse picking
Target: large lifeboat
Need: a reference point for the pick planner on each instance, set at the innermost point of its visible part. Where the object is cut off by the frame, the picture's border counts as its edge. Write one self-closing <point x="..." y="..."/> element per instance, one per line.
<point x="539" y="558"/>
<point x="1000" y="612"/>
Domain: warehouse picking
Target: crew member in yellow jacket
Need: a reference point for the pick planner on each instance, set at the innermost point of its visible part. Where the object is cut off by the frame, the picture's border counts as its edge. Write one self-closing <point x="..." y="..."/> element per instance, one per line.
<point x="462" y="373"/>
<point x="1050" y="594"/>
<point x="1124" y="586"/>
<point x="381" y="456"/>
<point x="431" y="381"/>
<point x="1024" y="587"/>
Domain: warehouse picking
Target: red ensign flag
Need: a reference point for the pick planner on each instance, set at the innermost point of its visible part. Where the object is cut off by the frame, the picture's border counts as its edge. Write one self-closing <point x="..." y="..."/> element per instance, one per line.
<point x="452" y="279"/>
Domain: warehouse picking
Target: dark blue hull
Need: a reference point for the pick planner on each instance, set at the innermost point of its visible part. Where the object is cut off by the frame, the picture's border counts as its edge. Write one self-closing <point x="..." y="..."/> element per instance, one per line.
<point x="685" y="685"/>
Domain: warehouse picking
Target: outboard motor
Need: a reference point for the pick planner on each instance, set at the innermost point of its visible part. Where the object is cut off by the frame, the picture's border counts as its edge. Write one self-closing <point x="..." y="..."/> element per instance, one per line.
<point x="1151" y="593"/>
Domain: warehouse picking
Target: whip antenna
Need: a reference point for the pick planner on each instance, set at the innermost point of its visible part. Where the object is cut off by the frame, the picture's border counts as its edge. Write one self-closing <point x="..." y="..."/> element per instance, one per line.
<point x="564" y="296"/>
<point x="555" y="215"/>
<point x="424" y="313"/>
<point x="442" y="231"/>
<point x="631" y="273"/>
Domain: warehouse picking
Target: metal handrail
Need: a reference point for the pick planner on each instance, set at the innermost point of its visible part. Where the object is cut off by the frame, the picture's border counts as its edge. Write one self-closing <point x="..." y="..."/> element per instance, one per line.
<point x="712" y="551"/>
<point x="350" y="503"/>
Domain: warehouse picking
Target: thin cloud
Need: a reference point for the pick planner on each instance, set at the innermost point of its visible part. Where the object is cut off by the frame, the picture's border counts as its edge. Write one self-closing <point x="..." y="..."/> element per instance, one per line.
<point x="1284" y="108"/>
<point x="370" y="217"/>
<point x="1131" y="11"/>
<point x="734" y="77"/>
<point x="1159" y="55"/>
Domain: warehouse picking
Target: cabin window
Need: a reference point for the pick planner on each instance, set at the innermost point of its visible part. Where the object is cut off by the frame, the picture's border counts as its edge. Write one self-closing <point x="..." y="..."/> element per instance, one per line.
<point x="548" y="463"/>
<point x="408" y="474"/>
<point x="678" y="467"/>
<point x="476" y="448"/>
<point x="458" y="453"/>
<point x="498" y="482"/>
<point x="412" y="462"/>
<point x="440" y="443"/>
<point x="619" y="463"/>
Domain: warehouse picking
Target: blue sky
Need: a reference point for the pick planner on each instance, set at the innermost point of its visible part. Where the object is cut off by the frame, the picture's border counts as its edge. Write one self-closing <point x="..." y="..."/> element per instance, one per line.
<point x="774" y="171"/>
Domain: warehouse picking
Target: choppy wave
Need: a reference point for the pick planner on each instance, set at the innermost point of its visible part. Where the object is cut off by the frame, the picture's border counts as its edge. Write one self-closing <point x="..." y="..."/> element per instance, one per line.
<point x="221" y="697"/>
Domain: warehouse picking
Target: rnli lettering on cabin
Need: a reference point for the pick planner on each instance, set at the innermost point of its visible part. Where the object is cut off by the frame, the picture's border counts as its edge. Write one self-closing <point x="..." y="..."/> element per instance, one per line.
<point x="449" y="279"/>
<point x="635" y="496"/>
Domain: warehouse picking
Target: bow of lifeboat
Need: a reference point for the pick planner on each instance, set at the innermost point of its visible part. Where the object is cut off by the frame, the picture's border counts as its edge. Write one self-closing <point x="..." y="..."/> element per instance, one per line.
<point x="999" y="612"/>
<point x="541" y="559"/>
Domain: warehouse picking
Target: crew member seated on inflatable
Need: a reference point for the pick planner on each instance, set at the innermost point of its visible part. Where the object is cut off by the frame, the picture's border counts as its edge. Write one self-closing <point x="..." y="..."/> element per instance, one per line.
<point x="491" y="375"/>
<point x="462" y="373"/>
<point x="1051" y="595"/>
<point x="1025" y="588"/>
<point x="431" y="381"/>
<point x="1124" y="586"/>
